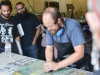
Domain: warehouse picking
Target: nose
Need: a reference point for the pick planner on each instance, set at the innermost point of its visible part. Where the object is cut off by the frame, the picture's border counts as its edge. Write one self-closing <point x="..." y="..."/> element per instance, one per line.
<point x="7" y="12"/>
<point x="49" y="28"/>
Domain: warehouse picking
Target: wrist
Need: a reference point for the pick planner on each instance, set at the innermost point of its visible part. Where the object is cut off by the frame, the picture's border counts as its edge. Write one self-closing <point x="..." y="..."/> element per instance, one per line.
<point x="58" y="65"/>
<point x="48" y="61"/>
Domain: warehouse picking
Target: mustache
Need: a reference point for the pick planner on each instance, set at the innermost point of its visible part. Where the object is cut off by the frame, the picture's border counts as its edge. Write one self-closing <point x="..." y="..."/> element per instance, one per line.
<point x="23" y="15"/>
<point x="7" y="14"/>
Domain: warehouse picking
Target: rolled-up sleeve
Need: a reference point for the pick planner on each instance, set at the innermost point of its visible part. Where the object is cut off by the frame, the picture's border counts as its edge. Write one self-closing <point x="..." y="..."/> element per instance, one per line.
<point x="49" y="38"/>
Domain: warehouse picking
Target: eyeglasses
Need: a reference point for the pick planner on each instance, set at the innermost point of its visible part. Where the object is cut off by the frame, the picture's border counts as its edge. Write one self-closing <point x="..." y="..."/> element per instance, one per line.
<point x="52" y="24"/>
<point x="20" y="8"/>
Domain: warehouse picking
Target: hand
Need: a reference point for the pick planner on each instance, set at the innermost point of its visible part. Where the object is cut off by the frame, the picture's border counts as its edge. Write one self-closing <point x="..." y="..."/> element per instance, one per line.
<point x="50" y="66"/>
<point x="34" y="43"/>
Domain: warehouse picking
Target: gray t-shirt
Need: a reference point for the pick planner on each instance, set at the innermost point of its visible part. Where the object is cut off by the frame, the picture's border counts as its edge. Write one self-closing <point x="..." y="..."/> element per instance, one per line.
<point x="75" y="34"/>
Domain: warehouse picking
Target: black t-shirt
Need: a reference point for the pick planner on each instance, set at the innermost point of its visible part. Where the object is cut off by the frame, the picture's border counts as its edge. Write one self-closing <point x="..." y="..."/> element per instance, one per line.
<point x="29" y="25"/>
<point x="8" y="31"/>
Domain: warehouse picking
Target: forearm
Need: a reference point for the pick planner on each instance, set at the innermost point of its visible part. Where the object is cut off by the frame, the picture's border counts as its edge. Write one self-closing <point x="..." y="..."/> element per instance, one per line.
<point x="37" y="34"/>
<point x="70" y="60"/>
<point x="49" y="55"/>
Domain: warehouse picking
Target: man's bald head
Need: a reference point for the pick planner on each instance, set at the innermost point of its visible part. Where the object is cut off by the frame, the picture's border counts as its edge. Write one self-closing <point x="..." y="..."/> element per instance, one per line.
<point x="54" y="12"/>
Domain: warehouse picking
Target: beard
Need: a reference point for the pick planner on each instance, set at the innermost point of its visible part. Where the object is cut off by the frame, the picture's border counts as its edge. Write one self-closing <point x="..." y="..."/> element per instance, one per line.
<point x="23" y="15"/>
<point x="5" y="15"/>
<point x="53" y="32"/>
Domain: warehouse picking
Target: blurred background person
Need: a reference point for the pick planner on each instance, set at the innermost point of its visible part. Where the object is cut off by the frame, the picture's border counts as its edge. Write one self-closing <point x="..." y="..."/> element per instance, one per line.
<point x="43" y="42"/>
<point x="93" y="19"/>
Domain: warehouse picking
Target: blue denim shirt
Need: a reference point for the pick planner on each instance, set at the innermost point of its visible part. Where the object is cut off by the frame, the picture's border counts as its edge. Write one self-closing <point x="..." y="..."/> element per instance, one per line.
<point x="75" y="34"/>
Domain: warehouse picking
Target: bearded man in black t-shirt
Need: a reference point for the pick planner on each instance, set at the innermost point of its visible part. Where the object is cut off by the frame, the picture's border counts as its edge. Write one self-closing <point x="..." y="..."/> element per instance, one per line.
<point x="8" y="28"/>
<point x="31" y="27"/>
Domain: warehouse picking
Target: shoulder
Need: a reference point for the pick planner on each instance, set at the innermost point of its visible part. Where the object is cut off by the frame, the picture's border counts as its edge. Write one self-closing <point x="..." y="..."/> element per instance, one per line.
<point x="72" y="23"/>
<point x="71" y="20"/>
<point x="15" y="16"/>
<point x="31" y="15"/>
<point x="12" y="19"/>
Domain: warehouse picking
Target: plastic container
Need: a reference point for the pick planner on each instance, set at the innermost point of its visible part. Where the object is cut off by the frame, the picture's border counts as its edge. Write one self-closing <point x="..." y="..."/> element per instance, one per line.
<point x="7" y="50"/>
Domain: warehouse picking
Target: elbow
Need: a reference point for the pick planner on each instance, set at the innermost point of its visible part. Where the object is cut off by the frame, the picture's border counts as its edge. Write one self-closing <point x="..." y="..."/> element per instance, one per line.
<point x="17" y="38"/>
<point x="81" y="55"/>
<point x="39" y="28"/>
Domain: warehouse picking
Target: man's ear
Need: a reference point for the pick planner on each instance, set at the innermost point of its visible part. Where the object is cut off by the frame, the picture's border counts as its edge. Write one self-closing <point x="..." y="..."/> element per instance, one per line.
<point x="59" y="20"/>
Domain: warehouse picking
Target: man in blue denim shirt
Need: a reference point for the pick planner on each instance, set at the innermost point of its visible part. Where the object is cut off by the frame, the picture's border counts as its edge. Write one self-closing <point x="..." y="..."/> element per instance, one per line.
<point x="68" y="37"/>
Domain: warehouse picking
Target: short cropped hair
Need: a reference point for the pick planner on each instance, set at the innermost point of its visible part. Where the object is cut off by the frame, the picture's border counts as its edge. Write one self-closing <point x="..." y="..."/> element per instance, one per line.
<point x="19" y="3"/>
<point x="55" y="13"/>
<point x="7" y="3"/>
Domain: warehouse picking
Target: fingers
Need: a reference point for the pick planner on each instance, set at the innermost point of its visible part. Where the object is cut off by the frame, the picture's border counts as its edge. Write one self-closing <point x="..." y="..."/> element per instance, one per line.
<point x="47" y="67"/>
<point x="50" y="66"/>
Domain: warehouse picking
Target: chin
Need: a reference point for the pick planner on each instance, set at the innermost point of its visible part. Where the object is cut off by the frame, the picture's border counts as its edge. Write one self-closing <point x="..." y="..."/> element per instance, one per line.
<point x="53" y="32"/>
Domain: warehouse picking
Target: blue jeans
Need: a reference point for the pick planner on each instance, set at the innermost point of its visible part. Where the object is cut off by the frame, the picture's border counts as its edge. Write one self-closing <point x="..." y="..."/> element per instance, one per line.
<point x="2" y="50"/>
<point x="31" y="51"/>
